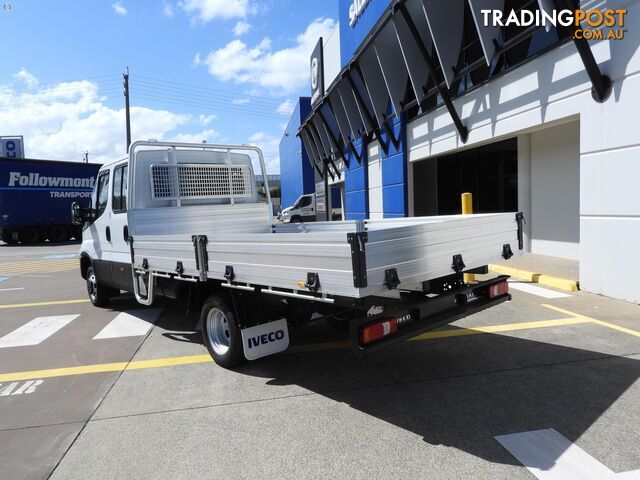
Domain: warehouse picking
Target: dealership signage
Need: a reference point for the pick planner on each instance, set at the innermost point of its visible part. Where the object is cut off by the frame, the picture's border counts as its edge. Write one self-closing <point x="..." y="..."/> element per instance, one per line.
<point x="12" y="147"/>
<point x="317" y="73"/>
<point x="355" y="10"/>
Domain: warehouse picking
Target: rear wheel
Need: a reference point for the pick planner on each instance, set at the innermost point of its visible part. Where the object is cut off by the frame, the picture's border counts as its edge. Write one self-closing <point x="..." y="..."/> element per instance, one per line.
<point x="221" y="332"/>
<point x="58" y="233"/>
<point x="7" y="237"/>
<point x="99" y="294"/>
<point x="30" y="235"/>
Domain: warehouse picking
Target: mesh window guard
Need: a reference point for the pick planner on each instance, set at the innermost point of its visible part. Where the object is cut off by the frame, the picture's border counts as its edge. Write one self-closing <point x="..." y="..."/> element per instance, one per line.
<point x="200" y="181"/>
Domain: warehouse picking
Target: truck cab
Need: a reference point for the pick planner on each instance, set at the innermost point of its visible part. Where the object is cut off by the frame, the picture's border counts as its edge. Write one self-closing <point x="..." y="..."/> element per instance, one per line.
<point x="105" y="256"/>
<point x="303" y="210"/>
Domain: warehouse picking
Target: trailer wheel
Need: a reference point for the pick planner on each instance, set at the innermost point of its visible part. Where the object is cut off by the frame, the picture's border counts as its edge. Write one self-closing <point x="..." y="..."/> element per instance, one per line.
<point x="7" y="237"/>
<point x="58" y="233"/>
<point x="30" y="235"/>
<point x="221" y="333"/>
<point x="99" y="294"/>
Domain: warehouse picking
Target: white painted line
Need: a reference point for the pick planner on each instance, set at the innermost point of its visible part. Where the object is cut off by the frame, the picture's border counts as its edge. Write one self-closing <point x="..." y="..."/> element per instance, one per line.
<point x="130" y="324"/>
<point x="2" y="279"/>
<point x="11" y="289"/>
<point x="36" y="331"/>
<point x="24" y="389"/>
<point x="550" y="456"/>
<point x="535" y="290"/>
<point x="61" y="255"/>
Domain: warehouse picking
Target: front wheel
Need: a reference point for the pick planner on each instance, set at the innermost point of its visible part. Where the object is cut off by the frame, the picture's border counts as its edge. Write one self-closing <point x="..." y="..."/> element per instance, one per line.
<point x="99" y="294"/>
<point x="221" y="332"/>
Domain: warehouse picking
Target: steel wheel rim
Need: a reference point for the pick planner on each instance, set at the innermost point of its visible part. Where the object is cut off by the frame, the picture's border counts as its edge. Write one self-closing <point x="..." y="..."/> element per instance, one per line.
<point x="218" y="331"/>
<point x="92" y="286"/>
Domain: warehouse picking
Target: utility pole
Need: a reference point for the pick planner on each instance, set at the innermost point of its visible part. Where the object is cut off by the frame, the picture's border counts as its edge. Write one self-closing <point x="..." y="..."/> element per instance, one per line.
<point x="126" y="106"/>
<point x="85" y="157"/>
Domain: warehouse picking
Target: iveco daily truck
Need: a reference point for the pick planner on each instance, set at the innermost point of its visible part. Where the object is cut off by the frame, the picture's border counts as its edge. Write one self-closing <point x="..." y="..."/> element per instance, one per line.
<point x="185" y="220"/>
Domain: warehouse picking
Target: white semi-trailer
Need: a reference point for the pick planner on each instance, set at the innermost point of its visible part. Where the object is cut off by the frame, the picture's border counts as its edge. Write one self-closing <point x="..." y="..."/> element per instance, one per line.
<point x="181" y="220"/>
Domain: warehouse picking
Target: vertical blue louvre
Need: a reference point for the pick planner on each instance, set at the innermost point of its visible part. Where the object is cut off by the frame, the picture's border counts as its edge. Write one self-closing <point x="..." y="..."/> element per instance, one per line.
<point x="356" y="197"/>
<point x="296" y="172"/>
<point x="394" y="174"/>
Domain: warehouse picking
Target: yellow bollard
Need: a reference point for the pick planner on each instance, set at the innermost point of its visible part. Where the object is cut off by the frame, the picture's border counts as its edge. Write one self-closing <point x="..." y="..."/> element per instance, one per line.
<point x="467" y="209"/>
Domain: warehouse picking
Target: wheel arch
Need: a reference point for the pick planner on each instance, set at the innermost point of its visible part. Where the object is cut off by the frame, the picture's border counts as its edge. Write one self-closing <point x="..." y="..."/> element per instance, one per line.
<point x="85" y="263"/>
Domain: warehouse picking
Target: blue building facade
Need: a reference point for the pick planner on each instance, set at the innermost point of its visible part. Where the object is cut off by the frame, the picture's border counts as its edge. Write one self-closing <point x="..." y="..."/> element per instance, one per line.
<point x="389" y="199"/>
<point x="296" y="172"/>
<point x="354" y="29"/>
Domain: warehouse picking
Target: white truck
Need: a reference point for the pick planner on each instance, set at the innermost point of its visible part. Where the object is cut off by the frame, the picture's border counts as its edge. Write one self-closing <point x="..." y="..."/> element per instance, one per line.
<point x="303" y="210"/>
<point x="185" y="220"/>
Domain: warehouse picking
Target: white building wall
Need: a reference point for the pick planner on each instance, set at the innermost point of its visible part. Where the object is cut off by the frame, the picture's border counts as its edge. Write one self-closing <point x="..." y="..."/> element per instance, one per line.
<point x="331" y="56"/>
<point x="552" y="89"/>
<point x="374" y="177"/>
<point x="555" y="191"/>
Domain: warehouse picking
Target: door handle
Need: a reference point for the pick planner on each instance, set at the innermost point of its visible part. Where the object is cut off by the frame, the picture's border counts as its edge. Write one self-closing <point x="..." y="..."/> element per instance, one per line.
<point x="125" y="233"/>
<point x="107" y="234"/>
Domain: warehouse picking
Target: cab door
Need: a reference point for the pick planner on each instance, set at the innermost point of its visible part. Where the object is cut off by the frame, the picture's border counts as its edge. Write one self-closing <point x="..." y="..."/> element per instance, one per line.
<point x="99" y="227"/>
<point x="307" y="207"/>
<point x="120" y="254"/>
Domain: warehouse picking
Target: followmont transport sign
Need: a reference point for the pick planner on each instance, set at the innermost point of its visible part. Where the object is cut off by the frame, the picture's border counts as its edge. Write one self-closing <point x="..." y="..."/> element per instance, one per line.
<point x="57" y="185"/>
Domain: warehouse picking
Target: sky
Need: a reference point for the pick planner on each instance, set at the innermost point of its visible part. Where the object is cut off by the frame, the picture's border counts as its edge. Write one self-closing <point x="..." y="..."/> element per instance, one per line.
<point x="227" y="71"/>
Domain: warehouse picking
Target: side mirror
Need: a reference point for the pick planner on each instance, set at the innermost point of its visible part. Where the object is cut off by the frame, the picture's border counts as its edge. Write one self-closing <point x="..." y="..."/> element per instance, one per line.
<point x="77" y="214"/>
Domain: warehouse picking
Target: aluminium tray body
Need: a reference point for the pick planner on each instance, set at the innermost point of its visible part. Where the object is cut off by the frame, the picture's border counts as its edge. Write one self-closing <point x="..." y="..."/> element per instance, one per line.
<point x="281" y="256"/>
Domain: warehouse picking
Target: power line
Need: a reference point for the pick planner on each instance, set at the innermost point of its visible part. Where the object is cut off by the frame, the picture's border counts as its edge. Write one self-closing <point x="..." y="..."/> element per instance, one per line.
<point x="204" y="105"/>
<point x="226" y="99"/>
<point x="209" y="100"/>
<point x="218" y="91"/>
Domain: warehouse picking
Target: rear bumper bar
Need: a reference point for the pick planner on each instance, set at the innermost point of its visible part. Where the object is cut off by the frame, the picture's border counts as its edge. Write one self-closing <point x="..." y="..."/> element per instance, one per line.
<point x="428" y="314"/>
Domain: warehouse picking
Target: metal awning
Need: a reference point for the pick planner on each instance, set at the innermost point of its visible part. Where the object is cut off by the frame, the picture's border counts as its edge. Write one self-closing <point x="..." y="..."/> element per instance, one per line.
<point x="412" y="54"/>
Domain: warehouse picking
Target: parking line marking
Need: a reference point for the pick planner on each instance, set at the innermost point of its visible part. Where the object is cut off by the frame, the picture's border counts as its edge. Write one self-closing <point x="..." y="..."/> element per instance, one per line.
<point x="44" y="304"/>
<point x="550" y="456"/>
<point x="11" y="289"/>
<point x="612" y="326"/>
<point x="130" y="324"/>
<point x="2" y="279"/>
<point x="36" y="331"/>
<point x="193" y="359"/>
<point x="535" y="290"/>
<point x="56" y="256"/>
<point x="510" y="327"/>
<point x="105" y="368"/>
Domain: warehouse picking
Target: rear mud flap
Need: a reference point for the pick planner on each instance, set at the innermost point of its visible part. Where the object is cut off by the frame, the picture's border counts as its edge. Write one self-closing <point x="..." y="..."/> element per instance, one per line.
<point x="265" y="339"/>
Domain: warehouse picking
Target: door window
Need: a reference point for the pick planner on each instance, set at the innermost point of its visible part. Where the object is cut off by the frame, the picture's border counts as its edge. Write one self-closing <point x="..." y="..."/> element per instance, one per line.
<point x="119" y="200"/>
<point x="101" y="194"/>
<point x="304" y="202"/>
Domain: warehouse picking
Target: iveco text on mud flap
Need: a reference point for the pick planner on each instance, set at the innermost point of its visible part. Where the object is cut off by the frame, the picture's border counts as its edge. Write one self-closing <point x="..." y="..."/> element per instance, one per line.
<point x="265" y="339"/>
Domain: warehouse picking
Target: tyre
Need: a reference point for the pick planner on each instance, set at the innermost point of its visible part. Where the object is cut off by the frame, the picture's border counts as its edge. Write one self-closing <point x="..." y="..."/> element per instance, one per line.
<point x="76" y="232"/>
<point x="58" y="233"/>
<point x="296" y="219"/>
<point x="7" y="238"/>
<point x="221" y="332"/>
<point x="30" y="235"/>
<point x="99" y="294"/>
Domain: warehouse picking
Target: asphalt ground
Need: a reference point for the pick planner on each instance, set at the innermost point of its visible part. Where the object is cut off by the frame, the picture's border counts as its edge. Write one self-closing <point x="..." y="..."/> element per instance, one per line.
<point x="153" y="405"/>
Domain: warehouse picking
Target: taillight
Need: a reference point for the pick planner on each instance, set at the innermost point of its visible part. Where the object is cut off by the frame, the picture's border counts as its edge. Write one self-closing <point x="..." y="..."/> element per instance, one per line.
<point x="498" y="289"/>
<point x="378" y="330"/>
